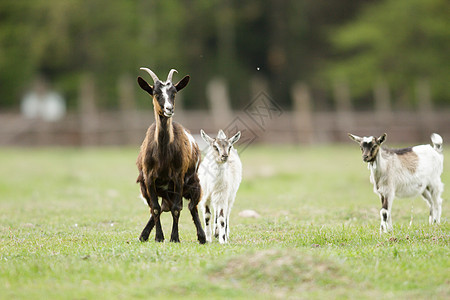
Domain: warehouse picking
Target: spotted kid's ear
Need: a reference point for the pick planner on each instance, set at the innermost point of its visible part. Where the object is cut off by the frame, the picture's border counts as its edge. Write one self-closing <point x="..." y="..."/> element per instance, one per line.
<point x="381" y="139"/>
<point x="235" y="138"/>
<point x="145" y="86"/>
<point x="206" y="137"/>
<point x="182" y="83"/>
<point x="355" y="138"/>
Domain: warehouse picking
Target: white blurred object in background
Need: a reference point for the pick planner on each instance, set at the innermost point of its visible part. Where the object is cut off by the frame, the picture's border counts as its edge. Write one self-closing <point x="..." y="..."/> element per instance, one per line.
<point x="42" y="103"/>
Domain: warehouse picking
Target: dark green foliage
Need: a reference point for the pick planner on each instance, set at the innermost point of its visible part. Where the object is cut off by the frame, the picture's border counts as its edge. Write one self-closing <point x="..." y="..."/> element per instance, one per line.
<point x="282" y="41"/>
<point x="400" y="41"/>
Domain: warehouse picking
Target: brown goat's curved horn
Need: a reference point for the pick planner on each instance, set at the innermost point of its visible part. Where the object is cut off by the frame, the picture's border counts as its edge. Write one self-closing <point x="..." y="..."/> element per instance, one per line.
<point x="155" y="78"/>
<point x="169" y="77"/>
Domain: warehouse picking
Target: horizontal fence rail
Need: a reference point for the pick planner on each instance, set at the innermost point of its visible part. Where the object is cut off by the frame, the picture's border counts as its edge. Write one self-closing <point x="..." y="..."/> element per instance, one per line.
<point x="129" y="127"/>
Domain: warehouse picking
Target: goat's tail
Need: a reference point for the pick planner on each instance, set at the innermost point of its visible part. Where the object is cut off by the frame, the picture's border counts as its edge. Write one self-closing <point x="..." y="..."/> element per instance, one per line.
<point x="437" y="141"/>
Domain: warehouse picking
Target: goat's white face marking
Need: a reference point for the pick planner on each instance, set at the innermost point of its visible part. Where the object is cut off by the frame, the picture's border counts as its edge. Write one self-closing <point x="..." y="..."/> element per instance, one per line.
<point x="168" y="107"/>
<point x="367" y="139"/>
<point x="164" y="93"/>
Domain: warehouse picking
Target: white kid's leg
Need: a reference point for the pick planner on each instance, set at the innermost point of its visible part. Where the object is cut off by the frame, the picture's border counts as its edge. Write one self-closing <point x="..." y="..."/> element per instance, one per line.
<point x="207" y="217"/>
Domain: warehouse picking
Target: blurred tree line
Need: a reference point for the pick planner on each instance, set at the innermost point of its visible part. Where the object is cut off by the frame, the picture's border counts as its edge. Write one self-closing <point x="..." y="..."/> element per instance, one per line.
<point x="283" y="41"/>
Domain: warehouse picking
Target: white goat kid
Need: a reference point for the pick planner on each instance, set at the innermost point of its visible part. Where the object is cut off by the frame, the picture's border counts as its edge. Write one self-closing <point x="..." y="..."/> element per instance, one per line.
<point x="220" y="175"/>
<point x="407" y="172"/>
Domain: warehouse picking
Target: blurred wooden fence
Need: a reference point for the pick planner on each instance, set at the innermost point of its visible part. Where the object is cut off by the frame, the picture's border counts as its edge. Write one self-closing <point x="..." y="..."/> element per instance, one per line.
<point x="261" y="121"/>
<point x="125" y="128"/>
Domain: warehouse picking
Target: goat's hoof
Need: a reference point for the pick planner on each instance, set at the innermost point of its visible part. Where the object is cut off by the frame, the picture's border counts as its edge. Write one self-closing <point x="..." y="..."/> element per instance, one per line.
<point x="202" y="239"/>
<point x="143" y="238"/>
<point x="159" y="239"/>
<point x="174" y="240"/>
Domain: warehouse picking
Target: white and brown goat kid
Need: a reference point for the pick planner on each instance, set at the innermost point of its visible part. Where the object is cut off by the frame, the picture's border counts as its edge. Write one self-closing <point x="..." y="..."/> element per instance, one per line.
<point x="406" y="172"/>
<point x="220" y="175"/>
<point x="168" y="161"/>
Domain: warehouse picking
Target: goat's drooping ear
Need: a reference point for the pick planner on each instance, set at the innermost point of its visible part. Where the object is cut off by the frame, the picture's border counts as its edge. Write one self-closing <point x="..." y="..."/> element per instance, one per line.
<point x="145" y="86"/>
<point x="182" y="83"/>
<point x="206" y="137"/>
<point x="381" y="139"/>
<point x="235" y="138"/>
<point x="221" y="134"/>
<point x="355" y="138"/>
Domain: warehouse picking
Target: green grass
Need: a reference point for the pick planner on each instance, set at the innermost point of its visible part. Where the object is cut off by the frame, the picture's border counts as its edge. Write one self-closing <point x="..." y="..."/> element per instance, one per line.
<point x="70" y="221"/>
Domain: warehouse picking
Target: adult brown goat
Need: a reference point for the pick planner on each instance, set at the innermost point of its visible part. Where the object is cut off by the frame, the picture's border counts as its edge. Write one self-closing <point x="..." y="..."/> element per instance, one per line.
<point x="168" y="161"/>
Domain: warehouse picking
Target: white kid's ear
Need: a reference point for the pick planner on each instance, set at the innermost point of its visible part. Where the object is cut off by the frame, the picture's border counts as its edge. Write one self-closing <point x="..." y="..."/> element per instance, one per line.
<point x="235" y="138"/>
<point x="221" y="134"/>
<point x="206" y="137"/>
<point x="355" y="138"/>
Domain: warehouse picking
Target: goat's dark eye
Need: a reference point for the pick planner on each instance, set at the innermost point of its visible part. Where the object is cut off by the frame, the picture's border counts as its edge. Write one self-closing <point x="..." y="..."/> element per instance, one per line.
<point x="216" y="148"/>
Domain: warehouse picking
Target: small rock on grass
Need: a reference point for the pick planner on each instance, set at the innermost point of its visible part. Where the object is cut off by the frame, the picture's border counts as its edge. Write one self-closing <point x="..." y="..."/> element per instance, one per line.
<point x="248" y="213"/>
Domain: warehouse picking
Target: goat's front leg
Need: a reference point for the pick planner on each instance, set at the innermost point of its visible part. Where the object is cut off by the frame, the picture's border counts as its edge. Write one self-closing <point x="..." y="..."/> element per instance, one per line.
<point x="147" y="229"/>
<point x="227" y="223"/>
<point x="385" y="212"/>
<point x="151" y="222"/>
<point x="206" y="209"/>
<point x="216" y="218"/>
<point x="177" y="206"/>
<point x="222" y="224"/>
<point x="156" y="212"/>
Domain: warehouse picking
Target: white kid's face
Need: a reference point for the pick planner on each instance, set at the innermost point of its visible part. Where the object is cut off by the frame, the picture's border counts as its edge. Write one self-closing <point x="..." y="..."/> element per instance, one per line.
<point x="222" y="149"/>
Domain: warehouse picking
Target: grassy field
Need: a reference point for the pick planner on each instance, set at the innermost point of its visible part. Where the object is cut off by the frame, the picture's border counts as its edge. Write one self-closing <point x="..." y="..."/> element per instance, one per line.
<point x="70" y="221"/>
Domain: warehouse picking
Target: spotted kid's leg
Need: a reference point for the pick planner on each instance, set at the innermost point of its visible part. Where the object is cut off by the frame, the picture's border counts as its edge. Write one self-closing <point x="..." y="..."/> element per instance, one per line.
<point x="436" y="192"/>
<point x="222" y="224"/>
<point x="216" y="226"/>
<point x="426" y="195"/>
<point x="384" y="214"/>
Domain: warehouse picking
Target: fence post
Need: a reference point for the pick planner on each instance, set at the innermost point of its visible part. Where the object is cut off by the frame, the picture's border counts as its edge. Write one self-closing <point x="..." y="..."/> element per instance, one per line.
<point x="219" y="100"/>
<point x="88" y="111"/>
<point x="425" y="108"/>
<point x="303" y="119"/>
<point x="344" y="111"/>
<point x="127" y="104"/>
<point x="382" y="103"/>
